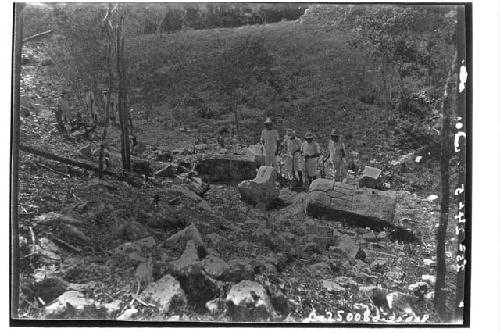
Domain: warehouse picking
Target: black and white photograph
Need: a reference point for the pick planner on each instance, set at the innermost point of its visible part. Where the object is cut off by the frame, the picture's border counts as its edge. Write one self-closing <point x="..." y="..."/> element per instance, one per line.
<point x="241" y="164"/>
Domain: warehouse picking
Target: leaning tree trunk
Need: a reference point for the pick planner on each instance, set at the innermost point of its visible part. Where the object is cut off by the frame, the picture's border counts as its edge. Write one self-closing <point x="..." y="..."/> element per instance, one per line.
<point x="16" y="123"/>
<point x="460" y="297"/>
<point x="122" y="98"/>
<point x="440" y="297"/>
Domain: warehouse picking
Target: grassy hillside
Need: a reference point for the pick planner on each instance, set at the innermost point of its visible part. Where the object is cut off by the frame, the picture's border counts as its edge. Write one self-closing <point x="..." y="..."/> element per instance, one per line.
<point x="324" y="82"/>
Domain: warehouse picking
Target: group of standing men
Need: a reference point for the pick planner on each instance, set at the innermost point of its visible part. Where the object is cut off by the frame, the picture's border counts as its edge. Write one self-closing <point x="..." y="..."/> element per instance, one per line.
<point x="90" y="114"/>
<point x="300" y="159"/>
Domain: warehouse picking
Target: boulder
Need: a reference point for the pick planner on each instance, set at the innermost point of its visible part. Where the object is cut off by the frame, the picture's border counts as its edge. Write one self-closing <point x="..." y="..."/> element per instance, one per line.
<point x="50" y="288"/>
<point x="165" y="292"/>
<point x="260" y="189"/>
<point x="419" y="289"/>
<point x="112" y="307"/>
<point x="188" y="258"/>
<point x="379" y="266"/>
<point x="347" y="245"/>
<point x="196" y="283"/>
<point x="73" y="300"/>
<point x="377" y="295"/>
<point x="268" y="264"/>
<point x="396" y="274"/>
<point x="180" y="239"/>
<point x="48" y="251"/>
<point x="215" y="306"/>
<point x="357" y="207"/>
<point x="214" y="266"/>
<point x="196" y="184"/>
<point x="239" y="269"/>
<point x="128" y="314"/>
<point x="248" y="301"/>
<point x="169" y="170"/>
<point x="400" y="302"/>
<point x="281" y="304"/>
<point x="86" y="151"/>
<point x="430" y="279"/>
<point x="333" y="287"/>
<point x="370" y="178"/>
<point x="345" y="282"/>
<point x="226" y="168"/>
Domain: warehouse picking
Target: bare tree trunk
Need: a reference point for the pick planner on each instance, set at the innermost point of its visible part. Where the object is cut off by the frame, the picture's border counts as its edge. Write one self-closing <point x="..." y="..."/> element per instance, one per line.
<point x="16" y="122"/>
<point x="110" y="83"/>
<point x="460" y="298"/>
<point x="385" y="84"/>
<point x="122" y="98"/>
<point x="101" y="151"/>
<point x="236" y="121"/>
<point x="439" y="298"/>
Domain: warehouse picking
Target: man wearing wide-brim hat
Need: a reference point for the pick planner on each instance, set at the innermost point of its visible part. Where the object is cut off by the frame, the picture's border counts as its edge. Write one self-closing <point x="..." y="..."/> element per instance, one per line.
<point x="270" y="140"/>
<point x="311" y="152"/>
<point x="336" y="156"/>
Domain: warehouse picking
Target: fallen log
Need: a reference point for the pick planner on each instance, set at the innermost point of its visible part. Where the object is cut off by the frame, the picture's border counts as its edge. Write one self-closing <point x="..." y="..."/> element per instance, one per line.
<point x="355" y="207"/>
<point x="64" y="160"/>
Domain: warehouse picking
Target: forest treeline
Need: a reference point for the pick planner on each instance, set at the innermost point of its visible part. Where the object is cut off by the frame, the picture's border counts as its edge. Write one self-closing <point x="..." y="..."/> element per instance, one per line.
<point x="157" y="18"/>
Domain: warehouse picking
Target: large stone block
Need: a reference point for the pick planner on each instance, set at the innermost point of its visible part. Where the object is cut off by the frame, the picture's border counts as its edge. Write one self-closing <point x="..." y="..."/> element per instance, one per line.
<point x="262" y="188"/>
<point x="358" y="207"/>
<point x="370" y="178"/>
<point x="227" y="168"/>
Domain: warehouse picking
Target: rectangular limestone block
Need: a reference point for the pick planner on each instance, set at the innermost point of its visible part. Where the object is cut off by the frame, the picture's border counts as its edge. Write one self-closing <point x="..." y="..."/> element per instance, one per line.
<point x="343" y="202"/>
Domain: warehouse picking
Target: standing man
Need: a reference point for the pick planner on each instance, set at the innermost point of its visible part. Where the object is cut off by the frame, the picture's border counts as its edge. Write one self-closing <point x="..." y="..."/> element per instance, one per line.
<point x="105" y="97"/>
<point x="311" y="152"/>
<point x="336" y="156"/>
<point x="293" y="145"/>
<point x="63" y="107"/>
<point x="90" y="104"/>
<point x="270" y="140"/>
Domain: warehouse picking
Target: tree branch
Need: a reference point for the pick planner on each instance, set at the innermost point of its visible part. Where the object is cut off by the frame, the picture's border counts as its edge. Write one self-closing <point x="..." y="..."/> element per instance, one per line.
<point x="36" y="36"/>
<point x="68" y="161"/>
